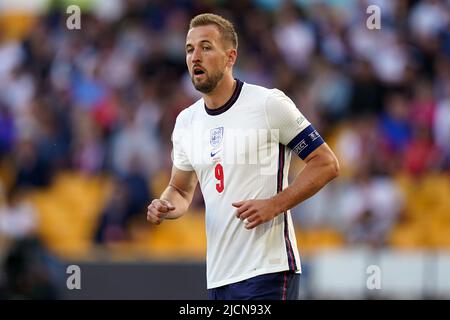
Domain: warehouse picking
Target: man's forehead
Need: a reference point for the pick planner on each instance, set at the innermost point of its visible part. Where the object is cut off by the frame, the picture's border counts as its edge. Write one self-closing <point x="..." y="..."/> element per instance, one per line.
<point x="203" y="33"/>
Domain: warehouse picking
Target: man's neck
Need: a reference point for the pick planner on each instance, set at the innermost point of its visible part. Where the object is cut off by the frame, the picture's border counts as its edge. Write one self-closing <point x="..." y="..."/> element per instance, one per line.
<point x="221" y="93"/>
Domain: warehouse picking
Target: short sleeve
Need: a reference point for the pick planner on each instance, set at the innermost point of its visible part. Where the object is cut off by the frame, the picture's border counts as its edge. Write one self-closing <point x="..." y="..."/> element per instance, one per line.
<point x="294" y="130"/>
<point x="180" y="144"/>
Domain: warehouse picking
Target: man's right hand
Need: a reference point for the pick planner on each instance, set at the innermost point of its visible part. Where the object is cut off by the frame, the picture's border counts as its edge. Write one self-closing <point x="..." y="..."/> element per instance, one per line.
<point x="158" y="210"/>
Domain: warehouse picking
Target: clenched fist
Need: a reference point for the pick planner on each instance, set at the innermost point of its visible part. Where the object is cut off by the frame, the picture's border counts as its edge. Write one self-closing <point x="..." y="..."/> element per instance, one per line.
<point x="158" y="210"/>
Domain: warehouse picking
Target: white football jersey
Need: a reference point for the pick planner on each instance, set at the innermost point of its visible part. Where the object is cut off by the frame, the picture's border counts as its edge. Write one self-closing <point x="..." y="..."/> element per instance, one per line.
<point x="242" y="151"/>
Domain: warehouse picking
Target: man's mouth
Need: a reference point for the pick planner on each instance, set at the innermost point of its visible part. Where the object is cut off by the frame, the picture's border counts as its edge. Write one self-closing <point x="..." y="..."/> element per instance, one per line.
<point x="198" y="71"/>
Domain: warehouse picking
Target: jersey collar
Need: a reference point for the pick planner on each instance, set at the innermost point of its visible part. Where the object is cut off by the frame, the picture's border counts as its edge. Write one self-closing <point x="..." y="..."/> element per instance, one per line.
<point x="229" y="103"/>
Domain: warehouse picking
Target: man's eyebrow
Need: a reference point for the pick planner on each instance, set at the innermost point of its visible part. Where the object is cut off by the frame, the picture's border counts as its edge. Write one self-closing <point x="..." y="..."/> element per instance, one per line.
<point x="202" y="41"/>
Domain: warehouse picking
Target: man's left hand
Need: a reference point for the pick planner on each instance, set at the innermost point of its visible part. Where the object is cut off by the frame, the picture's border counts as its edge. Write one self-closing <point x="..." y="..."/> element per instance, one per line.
<point x="255" y="212"/>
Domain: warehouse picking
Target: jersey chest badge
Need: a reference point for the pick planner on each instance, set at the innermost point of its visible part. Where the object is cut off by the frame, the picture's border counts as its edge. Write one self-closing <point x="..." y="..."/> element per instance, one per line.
<point x="216" y="137"/>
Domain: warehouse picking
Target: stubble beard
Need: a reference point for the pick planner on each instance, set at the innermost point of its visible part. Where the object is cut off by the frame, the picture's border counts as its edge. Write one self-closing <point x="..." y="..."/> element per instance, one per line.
<point x="209" y="83"/>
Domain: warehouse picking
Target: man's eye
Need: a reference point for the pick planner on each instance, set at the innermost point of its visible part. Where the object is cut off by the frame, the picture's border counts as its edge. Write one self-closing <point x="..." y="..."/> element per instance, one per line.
<point x="189" y="50"/>
<point x="206" y="48"/>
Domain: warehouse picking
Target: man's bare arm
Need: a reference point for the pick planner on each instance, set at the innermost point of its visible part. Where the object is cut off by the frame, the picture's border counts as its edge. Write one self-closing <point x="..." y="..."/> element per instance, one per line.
<point x="176" y="198"/>
<point x="321" y="167"/>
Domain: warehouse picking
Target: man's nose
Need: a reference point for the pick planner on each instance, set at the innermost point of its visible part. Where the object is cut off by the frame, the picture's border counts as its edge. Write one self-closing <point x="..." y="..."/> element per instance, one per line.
<point x="196" y="55"/>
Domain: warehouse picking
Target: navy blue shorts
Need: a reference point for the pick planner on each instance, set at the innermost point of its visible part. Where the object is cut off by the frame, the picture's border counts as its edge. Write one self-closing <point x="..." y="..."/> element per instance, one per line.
<point x="271" y="286"/>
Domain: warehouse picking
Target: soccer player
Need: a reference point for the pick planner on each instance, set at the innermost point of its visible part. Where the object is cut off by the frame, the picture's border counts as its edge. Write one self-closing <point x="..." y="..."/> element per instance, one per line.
<point x="237" y="141"/>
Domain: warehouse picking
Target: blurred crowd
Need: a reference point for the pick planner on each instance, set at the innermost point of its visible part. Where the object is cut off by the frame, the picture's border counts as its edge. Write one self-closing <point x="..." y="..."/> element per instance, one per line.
<point x="103" y="100"/>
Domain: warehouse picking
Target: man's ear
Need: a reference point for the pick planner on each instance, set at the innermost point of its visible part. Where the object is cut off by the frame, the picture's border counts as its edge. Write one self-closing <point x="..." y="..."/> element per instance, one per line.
<point x="232" y="55"/>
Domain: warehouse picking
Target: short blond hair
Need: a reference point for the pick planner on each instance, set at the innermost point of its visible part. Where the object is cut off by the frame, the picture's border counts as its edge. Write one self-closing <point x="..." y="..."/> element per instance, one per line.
<point x="225" y="27"/>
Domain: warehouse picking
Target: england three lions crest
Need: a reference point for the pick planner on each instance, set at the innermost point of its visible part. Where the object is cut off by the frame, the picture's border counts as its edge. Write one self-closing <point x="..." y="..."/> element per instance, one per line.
<point x="216" y="137"/>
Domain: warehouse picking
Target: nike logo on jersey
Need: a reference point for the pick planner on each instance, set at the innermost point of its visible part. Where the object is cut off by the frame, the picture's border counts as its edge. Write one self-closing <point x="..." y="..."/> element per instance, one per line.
<point x="214" y="153"/>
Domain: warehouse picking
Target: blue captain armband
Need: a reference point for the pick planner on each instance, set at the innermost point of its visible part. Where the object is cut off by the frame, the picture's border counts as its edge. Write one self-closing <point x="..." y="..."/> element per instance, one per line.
<point x="306" y="142"/>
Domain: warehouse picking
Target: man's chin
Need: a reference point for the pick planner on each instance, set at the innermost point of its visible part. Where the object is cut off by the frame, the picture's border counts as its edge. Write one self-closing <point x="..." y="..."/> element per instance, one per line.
<point x="202" y="86"/>
<point x="204" y="89"/>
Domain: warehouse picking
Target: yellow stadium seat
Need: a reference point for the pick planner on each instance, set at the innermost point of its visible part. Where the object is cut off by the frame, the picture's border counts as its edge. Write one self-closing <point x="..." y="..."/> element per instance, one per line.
<point x="16" y="25"/>
<point x="309" y="241"/>
<point x="69" y="210"/>
<point x="407" y="236"/>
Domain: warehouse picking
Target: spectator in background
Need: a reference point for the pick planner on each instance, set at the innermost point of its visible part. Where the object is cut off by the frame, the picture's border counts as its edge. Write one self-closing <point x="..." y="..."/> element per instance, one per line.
<point x="88" y="145"/>
<point x="423" y="105"/>
<point x="129" y="198"/>
<point x="133" y="143"/>
<point x="31" y="272"/>
<point x="32" y="170"/>
<point x="367" y="90"/>
<point x="18" y="217"/>
<point x="421" y="154"/>
<point x="294" y="37"/>
<point x="441" y="127"/>
<point x="138" y="187"/>
<point x="395" y="125"/>
<point x="112" y="224"/>
<point x="371" y="204"/>
<point x="7" y="130"/>
<point x="332" y="90"/>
